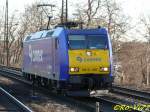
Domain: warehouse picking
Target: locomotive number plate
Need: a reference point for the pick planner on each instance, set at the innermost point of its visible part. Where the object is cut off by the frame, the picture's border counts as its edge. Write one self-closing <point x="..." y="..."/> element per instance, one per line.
<point x="90" y="69"/>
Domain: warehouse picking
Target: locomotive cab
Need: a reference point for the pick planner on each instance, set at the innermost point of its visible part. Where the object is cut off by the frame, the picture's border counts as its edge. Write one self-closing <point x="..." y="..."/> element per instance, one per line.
<point x="89" y="59"/>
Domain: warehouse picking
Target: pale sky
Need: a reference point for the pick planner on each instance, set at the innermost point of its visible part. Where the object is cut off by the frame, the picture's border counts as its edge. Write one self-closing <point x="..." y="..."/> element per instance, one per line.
<point x="133" y="8"/>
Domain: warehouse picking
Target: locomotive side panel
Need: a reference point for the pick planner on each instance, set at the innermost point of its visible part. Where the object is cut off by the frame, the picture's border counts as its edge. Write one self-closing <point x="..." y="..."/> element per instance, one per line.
<point x="38" y="58"/>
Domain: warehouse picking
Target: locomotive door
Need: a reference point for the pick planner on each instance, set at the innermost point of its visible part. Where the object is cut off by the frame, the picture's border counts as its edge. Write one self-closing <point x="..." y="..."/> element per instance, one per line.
<point x="54" y="56"/>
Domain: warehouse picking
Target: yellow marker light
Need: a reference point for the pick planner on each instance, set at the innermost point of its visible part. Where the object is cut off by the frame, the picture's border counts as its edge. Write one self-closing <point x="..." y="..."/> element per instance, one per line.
<point x="74" y="69"/>
<point x="104" y="69"/>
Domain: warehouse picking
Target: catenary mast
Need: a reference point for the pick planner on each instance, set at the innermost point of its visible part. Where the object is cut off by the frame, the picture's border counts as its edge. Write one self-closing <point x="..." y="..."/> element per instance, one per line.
<point x="6" y="35"/>
<point x="64" y="11"/>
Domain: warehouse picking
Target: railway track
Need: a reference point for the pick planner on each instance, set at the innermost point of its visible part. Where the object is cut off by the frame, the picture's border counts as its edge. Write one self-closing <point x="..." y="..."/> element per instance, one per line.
<point x="8" y="103"/>
<point x="114" y="104"/>
<point x="107" y="103"/>
<point x="145" y="96"/>
<point x="71" y="102"/>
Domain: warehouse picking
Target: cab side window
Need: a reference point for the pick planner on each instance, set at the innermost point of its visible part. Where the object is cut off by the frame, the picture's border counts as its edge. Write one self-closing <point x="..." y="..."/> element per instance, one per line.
<point x="49" y="34"/>
<point x="28" y="38"/>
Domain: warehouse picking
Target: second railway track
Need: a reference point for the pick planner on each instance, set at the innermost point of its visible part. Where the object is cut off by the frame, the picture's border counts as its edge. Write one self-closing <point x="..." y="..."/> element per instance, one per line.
<point x="137" y="94"/>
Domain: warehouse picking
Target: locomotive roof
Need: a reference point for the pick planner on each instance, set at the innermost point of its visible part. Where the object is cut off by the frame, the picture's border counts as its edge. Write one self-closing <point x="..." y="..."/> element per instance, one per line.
<point x="39" y="35"/>
<point x="87" y="31"/>
<point x="56" y="32"/>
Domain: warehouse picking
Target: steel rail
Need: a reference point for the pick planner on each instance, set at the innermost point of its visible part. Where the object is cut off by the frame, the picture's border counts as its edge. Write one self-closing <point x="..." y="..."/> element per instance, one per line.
<point x="19" y="104"/>
<point x="137" y="94"/>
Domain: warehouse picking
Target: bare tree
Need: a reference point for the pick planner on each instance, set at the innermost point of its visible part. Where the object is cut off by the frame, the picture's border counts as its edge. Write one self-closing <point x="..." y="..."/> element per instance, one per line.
<point x="116" y="22"/>
<point x="11" y="37"/>
<point x="92" y="10"/>
<point x="87" y="12"/>
<point x="1" y="39"/>
<point x="146" y="72"/>
<point x="31" y="21"/>
<point x="106" y="13"/>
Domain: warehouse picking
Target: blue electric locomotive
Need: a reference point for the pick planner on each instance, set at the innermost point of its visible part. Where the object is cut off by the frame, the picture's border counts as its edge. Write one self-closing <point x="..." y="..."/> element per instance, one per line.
<point x="69" y="59"/>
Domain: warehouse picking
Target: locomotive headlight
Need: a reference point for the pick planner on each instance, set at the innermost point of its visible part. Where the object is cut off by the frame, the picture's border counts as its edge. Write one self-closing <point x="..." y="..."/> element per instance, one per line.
<point x="74" y="69"/>
<point x="89" y="53"/>
<point x="104" y="69"/>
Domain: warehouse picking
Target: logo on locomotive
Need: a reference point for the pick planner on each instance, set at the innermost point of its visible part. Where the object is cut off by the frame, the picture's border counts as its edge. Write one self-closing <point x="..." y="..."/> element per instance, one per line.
<point x="79" y="59"/>
<point x="35" y="55"/>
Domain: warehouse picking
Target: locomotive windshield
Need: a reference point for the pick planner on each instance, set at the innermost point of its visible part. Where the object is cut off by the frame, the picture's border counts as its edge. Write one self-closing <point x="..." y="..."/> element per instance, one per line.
<point x="87" y="42"/>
